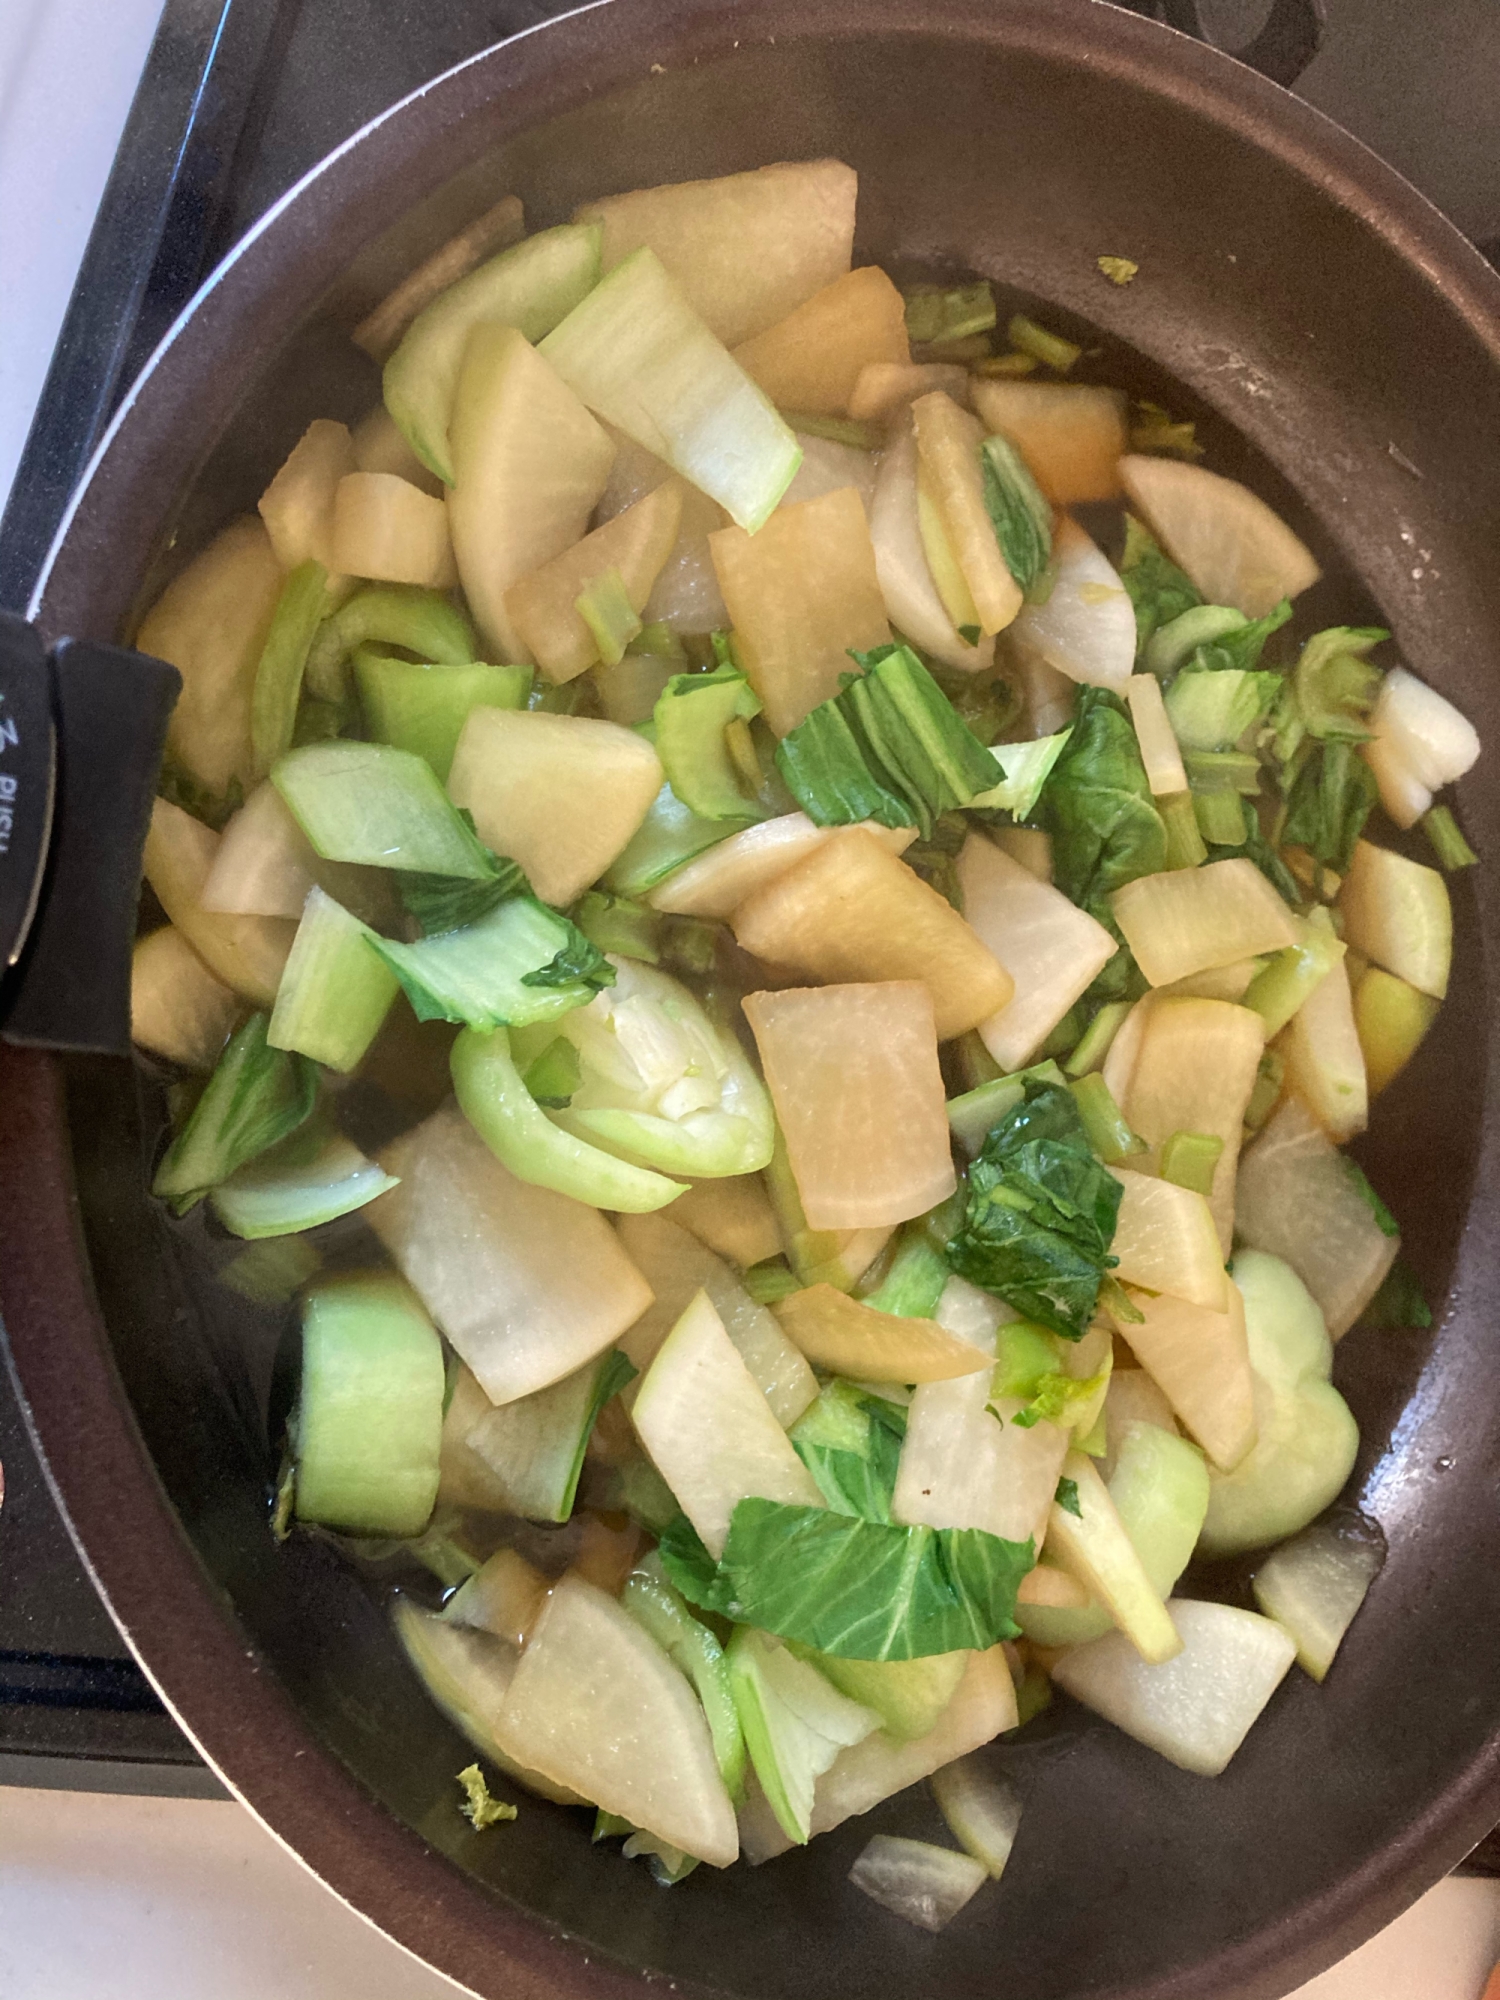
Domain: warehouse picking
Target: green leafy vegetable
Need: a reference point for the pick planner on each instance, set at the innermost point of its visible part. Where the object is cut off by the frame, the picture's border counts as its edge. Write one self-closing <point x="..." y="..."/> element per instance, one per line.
<point x="1185" y="843"/>
<point x="934" y="313"/>
<point x="850" y="1442"/>
<point x="1222" y="770"/>
<point x="1158" y="589"/>
<point x="1103" y="1120"/>
<point x="478" y="1807"/>
<point x="1049" y="348"/>
<point x="578" y="961"/>
<point x="255" y="1097"/>
<point x="617" y="923"/>
<point x="693" y="1570"/>
<point x="1210" y="708"/>
<point x="1331" y="797"/>
<point x="1019" y="514"/>
<point x="554" y="1077"/>
<point x="1067" y="1497"/>
<point x="936" y="858"/>
<point x="1062" y="1400"/>
<point x="1448" y="844"/>
<point x="914" y="1280"/>
<point x="283" y="660"/>
<point x="1027" y="767"/>
<point x="827" y="775"/>
<point x="1400" y="1302"/>
<point x="481" y="974"/>
<point x="1336" y="684"/>
<point x="448" y="902"/>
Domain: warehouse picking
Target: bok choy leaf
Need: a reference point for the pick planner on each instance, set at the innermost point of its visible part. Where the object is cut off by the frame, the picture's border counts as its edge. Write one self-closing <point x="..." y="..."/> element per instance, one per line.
<point x="850" y="1441"/>
<point x="255" y="1097"/>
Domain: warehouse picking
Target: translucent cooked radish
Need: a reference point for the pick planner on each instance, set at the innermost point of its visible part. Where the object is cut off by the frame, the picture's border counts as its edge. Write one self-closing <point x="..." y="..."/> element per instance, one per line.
<point x="1224" y="982"/>
<point x="1085" y="627"/>
<point x="504" y="1595"/>
<point x="1391" y="1018"/>
<point x="983" y="1706"/>
<point x="732" y="1217"/>
<point x="948" y="440"/>
<point x="795" y="1723"/>
<point x="1071" y="437"/>
<point x="264" y="866"/>
<point x="852" y="911"/>
<point x="812" y="359"/>
<point x="715" y="883"/>
<point x="1315" y="1584"/>
<point x="800" y="594"/>
<point x="1200" y="1360"/>
<point x="464" y="1479"/>
<point x="827" y="467"/>
<point x="1192" y="919"/>
<point x="1196" y="1709"/>
<point x="864" y="1345"/>
<point x="246" y="953"/>
<point x="911" y="597"/>
<point x="853" y="1074"/>
<point x="1166" y="1241"/>
<point x="1234" y="548"/>
<point x="597" y="1706"/>
<point x="1417" y="731"/>
<point x="388" y="529"/>
<point x="1325" y="1063"/>
<point x="526" y="1284"/>
<point x="560" y="794"/>
<point x="747" y="248"/>
<point x="1159" y="749"/>
<point x="926" y="1885"/>
<point x="909" y="1696"/>
<point x="884" y="387"/>
<point x="529" y="462"/>
<point x="1095" y="1547"/>
<point x="543" y="607"/>
<point x="839" y="1257"/>
<point x="1133" y="1397"/>
<point x="1050" y="1589"/>
<point x="1397" y="912"/>
<point x="685" y="596"/>
<point x="677" y="1267"/>
<point x="1050" y="948"/>
<point x="211" y="623"/>
<point x="534" y="1446"/>
<point x="1402" y="793"/>
<point x="298" y="505"/>
<point x="301" y="1184"/>
<point x="1295" y="1198"/>
<point x="380" y="446"/>
<point x="1029" y="845"/>
<point x="983" y="1811"/>
<point x="709" y="1430"/>
<point x="1050" y="696"/>
<point x="178" y="1008"/>
<point x="528" y="287"/>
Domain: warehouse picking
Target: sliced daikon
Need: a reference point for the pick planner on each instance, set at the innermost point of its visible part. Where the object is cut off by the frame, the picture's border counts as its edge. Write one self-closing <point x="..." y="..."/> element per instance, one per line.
<point x="534" y="1446"/>
<point x="380" y="446"/>
<point x="853" y="1074"/>
<point x="1392" y="1019"/>
<point x="812" y="359"/>
<point x="1398" y="913"/>
<point x="1085" y="626"/>
<point x="1419" y="743"/>
<point x="884" y="387"/>
<point x="388" y="529"/>
<point x="827" y="467"/>
<point x="178" y="1008"/>
<point x="733" y="1217"/>
<point x="714" y="884"/>
<point x="911" y="597"/>
<point x="982" y="1809"/>
<point x="1070" y="436"/>
<point x="1315" y="1584"/>
<point x="1094" y="1546"/>
<point x="1192" y="919"/>
<point x="526" y="1284"/>
<point x="1200" y="1360"/>
<point x="1166" y="1241"/>
<point x="1325" y="1064"/>
<point x="247" y="953"/>
<point x="1235" y="549"/>
<point x="948" y="467"/>
<point x="864" y="1345"/>
<point x="505" y="1594"/>
<point x="1159" y="748"/>
<point x="265" y="866"/>
<point x="633" y="545"/>
<point x="298" y="505"/>
<point x="926" y="1885"/>
<point x="795" y="1723"/>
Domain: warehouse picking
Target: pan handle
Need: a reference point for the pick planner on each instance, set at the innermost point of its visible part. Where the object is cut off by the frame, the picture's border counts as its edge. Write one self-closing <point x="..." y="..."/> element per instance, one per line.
<point x="1289" y="38"/>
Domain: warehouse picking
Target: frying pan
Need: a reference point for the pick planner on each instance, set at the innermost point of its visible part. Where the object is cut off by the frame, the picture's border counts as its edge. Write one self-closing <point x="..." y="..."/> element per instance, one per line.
<point x="1340" y="346"/>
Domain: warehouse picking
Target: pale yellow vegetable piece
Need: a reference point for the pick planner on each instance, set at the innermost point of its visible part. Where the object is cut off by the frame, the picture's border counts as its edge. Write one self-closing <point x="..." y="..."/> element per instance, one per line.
<point x="800" y="593"/>
<point x="1190" y="920"/>
<point x="1094" y="1547"/>
<point x="1165" y="1240"/>
<point x="1419" y="742"/>
<point x="1084" y="626"/>
<point x="846" y="1338"/>
<point x="1200" y="1360"/>
<point x="948" y="578"/>
<point x="838" y="1257"/>
<point x="1028" y="845"/>
<point x="543" y="607"/>
<point x="246" y="953"/>
<point x="1391" y="1018"/>
<point x="1235" y="549"/>
<point x="883" y="387"/>
<point x="906" y="582"/>
<point x="1225" y="982"/>
<point x="1055" y="1588"/>
<point x="733" y="1217"/>
<point x="1133" y="1398"/>
<point x="560" y="794"/>
<point x="1397" y="912"/>
<point x="380" y="331"/>
<point x="1049" y="693"/>
<point x="716" y="882"/>
<point x="827" y="466"/>
<point x="747" y="248"/>
<point x="388" y="529"/>
<point x="265" y="866"/>
<point x="1325" y="1064"/>
<point x="686" y="593"/>
<point x="1070" y="436"/>
<point x="211" y="623"/>
<point x="380" y="446"/>
<point x="948" y="441"/>
<point x="505" y="1594"/>
<point x="811" y="360"/>
<point x="297" y="506"/>
<point x="529" y="463"/>
<point x="852" y="911"/>
<point x="464" y="1479"/>
<point x="178" y="1009"/>
<point x="1159" y="749"/>
<point x="1051" y="948"/>
<point x="526" y="1284"/>
<point x="853" y="1073"/>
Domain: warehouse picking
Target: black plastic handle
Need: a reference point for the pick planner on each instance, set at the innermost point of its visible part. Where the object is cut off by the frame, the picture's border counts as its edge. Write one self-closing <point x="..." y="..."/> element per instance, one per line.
<point x="1289" y="38"/>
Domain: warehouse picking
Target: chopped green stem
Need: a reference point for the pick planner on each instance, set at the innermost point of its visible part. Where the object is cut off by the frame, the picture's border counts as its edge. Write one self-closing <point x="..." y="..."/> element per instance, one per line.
<point x="1222" y="771"/>
<point x="1185" y="848"/>
<point x="1097" y="1037"/>
<point x="1007" y="365"/>
<point x="1264" y="1096"/>
<point x="605" y="607"/>
<point x="773" y="1280"/>
<point x="1448" y="844"/>
<point x="1221" y="818"/>
<point x="838" y="430"/>
<point x="934" y="314"/>
<point x="1049" y="348"/>
<point x="615" y="923"/>
<point x="914" y="1281"/>
<point x="1172" y="645"/>
<point x="1189" y="1160"/>
<point x="1019" y="514"/>
<point x="283" y="660"/>
<point x="554" y="1077"/>
<point x="1280" y="987"/>
<point x="1109" y="1135"/>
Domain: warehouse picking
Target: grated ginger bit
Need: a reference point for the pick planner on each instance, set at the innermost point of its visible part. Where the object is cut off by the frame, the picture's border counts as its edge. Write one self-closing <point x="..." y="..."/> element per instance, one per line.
<point x="1119" y="270"/>
<point x="478" y="1807"/>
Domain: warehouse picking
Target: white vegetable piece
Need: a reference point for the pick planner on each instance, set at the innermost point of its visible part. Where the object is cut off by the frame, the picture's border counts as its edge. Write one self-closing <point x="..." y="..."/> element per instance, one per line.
<point x="1189" y="920"/>
<point x="1200" y="1360"/>
<point x="1050" y="947"/>
<point x="1160" y="752"/>
<point x="828" y="466"/>
<point x="711" y="1434"/>
<point x="264" y="866"/>
<point x="1315" y="1584"/>
<point x="1133" y="1398"/>
<point x="1093" y="1545"/>
<point x="685" y="595"/>
<point x="1085" y="628"/>
<point x="1050" y="696"/>
<point x="596" y="1705"/>
<point x="1325" y="1062"/>
<point x="178" y="1009"/>
<point x="884" y="387"/>
<point x="733" y="1216"/>
<point x="1235" y="549"/>
<point x="1419" y="743"/>
<point x="911" y="596"/>
<point x="1198" y="1708"/>
<point x="384" y="527"/>
<point x="716" y="882"/>
<point x="247" y="953"/>
<point x="1166" y="1241"/>
<point x="795" y="1723"/>
<point x="1398" y="912"/>
<point x="926" y="1885"/>
<point x="527" y="1284"/>
<point x="983" y="1811"/>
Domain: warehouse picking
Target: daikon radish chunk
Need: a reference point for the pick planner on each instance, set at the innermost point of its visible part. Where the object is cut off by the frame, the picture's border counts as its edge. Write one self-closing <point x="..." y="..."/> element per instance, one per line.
<point x="1050" y="696"/>
<point x="1325" y="1063"/>
<point x="505" y="1594"/>
<point x="812" y="359"/>
<point x="380" y="446"/>
<point x="1133" y="1398"/>
<point x="388" y="529"/>
<point x="1195" y="1066"/>
<point x="1071" y="437"/>
<point x="733" y="1217"/>
<point x="1228" y="540"/>
<point x="1295" y="1198"/>
<point x="827" y="467"/>
<point x="464" y="1479"/>
<point x="883" y="387"/>
<point x="178" y="1009"/>
<point x="852" y="911"/>
<point x="800" y="594"/>
<point x="534" y="1446"/>
<point x="1051" y="948"/>
<point x="1028" y="845"/>
<point x="1315" y="1584"/>
<point x="717" y="882"/>
<point x="1124" y="1050"/>
<point x="560" y="794"/>
<point x="1052" y="1589"/>
<point x="853" y="1074"/>
<point x="1392" y="1019"/>
<point x="210" y="623"/>
<point x="1198" y="1708"/>
<point x="529" y="462"/>
<point x="1085" y="627"/>
<point x="1094" y="1546"/>
<point x="1166" y="1241"/>
<point x="983" y="1707"/>
<point x="1419" y="743"/>
<point x="543" y="607"/>
<point x="381" y="328"/>
<point x="1224" y="982"/>
<point x="1159" y="751"/>
<point x="983" y="1811"/>
<point x="911" y="597"/>
<point x="926" y="1885"/>
<point x="685" y="596"/>
<point x="948" y="441"/>
<point x="598" y="1706"/>
<point x="1402" y="793"/>
<point x="1192" y="919"/>
<point x="1397" y="912"/>
<point x="248" y="954"/>
<point x="709" y="1431"/>
<point x="264" y="866"/>
<point x="526" y="1284"/>
<point x="865" y="1345"/>
<point x="677" y="1267"/>
<point x="298" y="505"/>
<point x="1200" y="1360"/>
<point x="838" y="1257"/>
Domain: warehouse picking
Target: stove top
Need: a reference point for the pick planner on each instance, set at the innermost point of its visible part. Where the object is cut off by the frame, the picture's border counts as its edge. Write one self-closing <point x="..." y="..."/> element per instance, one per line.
<point x="239" y="98"/>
